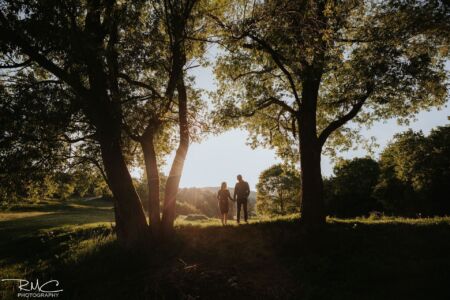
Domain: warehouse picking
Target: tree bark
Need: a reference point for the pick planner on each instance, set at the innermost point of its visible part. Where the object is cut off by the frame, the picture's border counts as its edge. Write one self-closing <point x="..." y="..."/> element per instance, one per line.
<point x="173" y="181"/>
<point x="151" y="168"/>
<point x="312" y="202"/>
<point x="131" y="226"/>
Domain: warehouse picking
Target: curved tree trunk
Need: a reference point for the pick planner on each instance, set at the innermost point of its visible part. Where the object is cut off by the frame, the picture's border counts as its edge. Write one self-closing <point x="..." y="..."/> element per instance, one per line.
<point x="131" y="225"/>
<point x="151" y="168"/>
<point x="173" y="181"/>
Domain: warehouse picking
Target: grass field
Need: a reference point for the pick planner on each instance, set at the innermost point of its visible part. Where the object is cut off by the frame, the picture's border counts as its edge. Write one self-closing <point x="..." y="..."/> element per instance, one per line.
<point x="387" y="258"/>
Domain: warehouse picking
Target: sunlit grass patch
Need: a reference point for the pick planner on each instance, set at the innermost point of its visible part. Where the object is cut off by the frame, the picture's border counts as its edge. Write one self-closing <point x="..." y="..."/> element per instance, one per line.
<point x="8" y="216"/>
<point x="87" y="247"/>
<point x="203" y="221"/>
<point x="392" y="220"/>
<point x="197" y="221"/>
<point x="31" y="205"/>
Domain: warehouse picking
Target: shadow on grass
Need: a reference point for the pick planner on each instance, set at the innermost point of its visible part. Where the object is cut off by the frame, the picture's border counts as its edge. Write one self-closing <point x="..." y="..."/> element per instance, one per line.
<point x="271" y="261"/>
<point x="266" y="260"/>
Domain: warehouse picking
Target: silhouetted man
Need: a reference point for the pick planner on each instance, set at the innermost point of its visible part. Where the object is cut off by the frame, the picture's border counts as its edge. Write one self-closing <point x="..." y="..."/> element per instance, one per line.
<point x="241" y="192"/>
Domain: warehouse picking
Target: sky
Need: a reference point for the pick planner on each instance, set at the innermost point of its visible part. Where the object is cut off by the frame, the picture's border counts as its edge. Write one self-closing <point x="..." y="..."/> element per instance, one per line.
<point x="221" y="158"/>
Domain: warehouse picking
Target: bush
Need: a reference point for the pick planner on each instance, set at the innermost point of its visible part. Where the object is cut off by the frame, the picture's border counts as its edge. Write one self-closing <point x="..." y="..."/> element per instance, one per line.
<point x="350" y="192"/>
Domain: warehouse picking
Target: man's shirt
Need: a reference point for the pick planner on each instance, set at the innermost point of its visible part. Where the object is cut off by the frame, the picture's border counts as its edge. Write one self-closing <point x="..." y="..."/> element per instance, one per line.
<point x="241" y="190"/>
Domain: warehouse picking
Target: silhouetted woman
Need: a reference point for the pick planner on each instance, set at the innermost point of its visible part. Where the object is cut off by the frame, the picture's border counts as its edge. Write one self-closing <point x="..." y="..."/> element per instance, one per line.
<point x="222" y="196"/>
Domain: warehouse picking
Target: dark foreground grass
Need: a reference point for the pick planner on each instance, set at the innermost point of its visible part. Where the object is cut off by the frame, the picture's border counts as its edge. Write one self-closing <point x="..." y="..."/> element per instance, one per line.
<point x="350" y="259"/>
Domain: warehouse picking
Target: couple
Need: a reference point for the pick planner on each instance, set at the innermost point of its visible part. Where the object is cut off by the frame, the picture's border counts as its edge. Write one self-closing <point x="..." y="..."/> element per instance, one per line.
<point x="241" y="192"/>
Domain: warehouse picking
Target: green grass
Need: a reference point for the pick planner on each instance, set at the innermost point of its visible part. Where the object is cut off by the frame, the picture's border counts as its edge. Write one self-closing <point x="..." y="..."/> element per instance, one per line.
<point x="362" y="258"/>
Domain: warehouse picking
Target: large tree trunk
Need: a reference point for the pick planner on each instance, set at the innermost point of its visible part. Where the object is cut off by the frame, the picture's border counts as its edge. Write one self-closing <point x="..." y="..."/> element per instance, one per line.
<point x="151" y="168"/>
<point x="312" y="205"/>
<point x="131" y="225"/>
<point x="173" y="181"/>
<point x="104" y="111"/>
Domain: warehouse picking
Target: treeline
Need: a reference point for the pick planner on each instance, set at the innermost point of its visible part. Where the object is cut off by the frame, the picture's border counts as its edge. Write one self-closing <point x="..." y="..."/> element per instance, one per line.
<point x="411" y="178"/>
<point x="82" y="181"/>
<point x="59" y="185"/>
<point x="278" y="191"/>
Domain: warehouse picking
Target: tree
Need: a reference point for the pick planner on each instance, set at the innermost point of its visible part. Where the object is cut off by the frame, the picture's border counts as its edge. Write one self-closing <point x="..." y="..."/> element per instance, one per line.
<point x="153" y="124"/>
<point x="32" y="118"/>
<point x="123" y="68"/>
<point x="75" y="44"/>
<point x="277" y="190"/>
<point x="437" y="171"/>
<point x="301" y="70"/>
<point x="414" y="173"/>
<point x="349" y="192"/>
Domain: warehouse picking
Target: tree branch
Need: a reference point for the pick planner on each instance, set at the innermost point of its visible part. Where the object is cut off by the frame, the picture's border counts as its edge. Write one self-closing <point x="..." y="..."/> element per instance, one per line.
<point x="130" y="132"/>
<point x="257" y="72"/>
<point x="8" y="34"/>
<point x="346" y="117"/>
<point x="68" y="139"/>
<point x="266" y="103"/>
<point x="140" y="84"/>
<point x="16" y="65"/>
<point x="277" y="58"/>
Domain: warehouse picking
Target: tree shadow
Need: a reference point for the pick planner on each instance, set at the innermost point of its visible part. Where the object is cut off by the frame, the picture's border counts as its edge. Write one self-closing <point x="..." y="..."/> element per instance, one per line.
<point x="269" y="260"/>
<point x="276" y="260"/>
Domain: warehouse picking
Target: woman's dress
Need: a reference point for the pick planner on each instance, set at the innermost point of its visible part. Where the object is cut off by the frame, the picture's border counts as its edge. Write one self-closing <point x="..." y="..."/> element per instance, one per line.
<point x="223" y="196"/>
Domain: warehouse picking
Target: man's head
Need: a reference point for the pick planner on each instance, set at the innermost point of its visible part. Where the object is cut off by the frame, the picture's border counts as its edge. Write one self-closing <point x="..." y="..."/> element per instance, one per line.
<point x="239" y="178"/>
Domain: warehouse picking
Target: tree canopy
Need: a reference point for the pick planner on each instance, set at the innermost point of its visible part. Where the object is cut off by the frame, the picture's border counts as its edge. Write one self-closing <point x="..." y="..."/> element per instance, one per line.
<point x="415" y="173"/>
<point x="378" y="61"/>
<point x="297" y="72"/>
<point x="277" y="191"/>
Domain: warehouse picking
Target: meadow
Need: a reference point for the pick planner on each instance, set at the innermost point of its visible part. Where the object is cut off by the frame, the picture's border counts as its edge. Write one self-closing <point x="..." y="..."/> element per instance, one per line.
<point x="270" y="258"/>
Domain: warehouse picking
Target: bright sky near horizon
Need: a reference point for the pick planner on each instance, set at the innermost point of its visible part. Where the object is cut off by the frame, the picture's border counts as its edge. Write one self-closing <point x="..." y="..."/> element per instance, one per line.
<point x="221" y="158"/>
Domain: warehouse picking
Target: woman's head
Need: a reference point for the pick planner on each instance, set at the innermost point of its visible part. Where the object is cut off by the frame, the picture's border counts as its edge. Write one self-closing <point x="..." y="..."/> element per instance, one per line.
<point x="223" y="186"/>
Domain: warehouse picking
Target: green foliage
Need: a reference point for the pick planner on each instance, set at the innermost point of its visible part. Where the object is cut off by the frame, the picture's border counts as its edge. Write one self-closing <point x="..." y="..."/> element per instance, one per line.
<point x="33" y="117"/>
<point x="57" y="185"/>
<point x="278" y="191"/>
<point x="411" y="178"/>
<point x="415" y="173"/>
<point x="204" y="201"/>
<point x="380" y="59"/>
<point x="89" y="183"/>
<point x="349" y="192"/>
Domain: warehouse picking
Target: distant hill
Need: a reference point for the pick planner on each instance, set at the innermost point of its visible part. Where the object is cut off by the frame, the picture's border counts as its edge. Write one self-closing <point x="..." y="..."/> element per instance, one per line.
<point x="214" y="189"/>
<point x="203" y="200"/>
